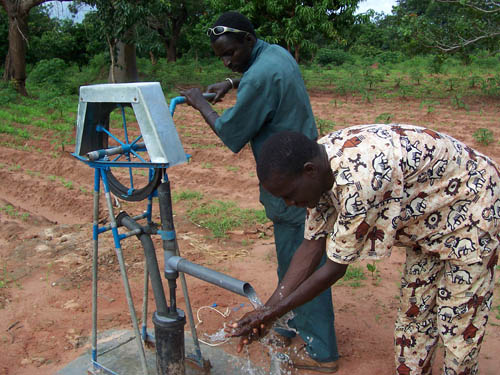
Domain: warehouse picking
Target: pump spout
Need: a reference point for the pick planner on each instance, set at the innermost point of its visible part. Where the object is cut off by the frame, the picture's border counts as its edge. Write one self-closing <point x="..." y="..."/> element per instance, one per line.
<point x="242" y="288"/>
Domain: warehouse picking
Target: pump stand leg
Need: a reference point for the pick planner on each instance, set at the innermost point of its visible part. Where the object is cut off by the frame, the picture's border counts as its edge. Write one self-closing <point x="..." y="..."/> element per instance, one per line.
<point x="95" y="236"/>
<point x="145" y="306"/>
<point x="123" y="271"/>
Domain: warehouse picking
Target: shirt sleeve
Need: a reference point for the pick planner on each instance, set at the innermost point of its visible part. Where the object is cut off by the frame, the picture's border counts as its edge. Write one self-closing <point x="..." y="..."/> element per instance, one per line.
<point x="253" y="109"/>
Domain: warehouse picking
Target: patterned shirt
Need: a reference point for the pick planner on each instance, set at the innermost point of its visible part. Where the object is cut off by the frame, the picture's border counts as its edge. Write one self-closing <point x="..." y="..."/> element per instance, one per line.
<point x="407" y="186"/>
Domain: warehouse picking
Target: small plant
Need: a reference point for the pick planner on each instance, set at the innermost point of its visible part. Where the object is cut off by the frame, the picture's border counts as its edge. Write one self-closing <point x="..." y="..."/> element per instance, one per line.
<point x="324" y="126"/>
<point x="458" y="103"/>
<point x="67" y="184"/>
<point x="372" y="267"/>
<point x="416" y="75"/>
<point x="430" y="105"/>
<point x="232" y="168"/>
<point x="3" y="278"/>
<point x="207" y="165"/>
<point x="384" y="118"/>
<point x="483" y="136"/>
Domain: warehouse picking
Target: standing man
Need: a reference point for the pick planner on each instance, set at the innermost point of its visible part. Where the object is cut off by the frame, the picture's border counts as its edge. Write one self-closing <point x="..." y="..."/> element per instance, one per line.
<point x="271" y="98"/>
<point x="369" y="188"/>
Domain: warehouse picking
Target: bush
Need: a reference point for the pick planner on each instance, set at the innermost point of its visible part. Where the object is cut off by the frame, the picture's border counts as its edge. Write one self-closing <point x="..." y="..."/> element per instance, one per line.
<point x="390" y="57"/>
<point x="48" y="72"/>
<point x="484" y="60"/>
<point x="7" y="93"/>
<point x="326" y="56"/>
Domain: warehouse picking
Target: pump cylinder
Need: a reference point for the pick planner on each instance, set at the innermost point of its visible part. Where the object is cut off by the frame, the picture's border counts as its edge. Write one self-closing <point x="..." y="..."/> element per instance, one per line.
<point x="169" y="342"/>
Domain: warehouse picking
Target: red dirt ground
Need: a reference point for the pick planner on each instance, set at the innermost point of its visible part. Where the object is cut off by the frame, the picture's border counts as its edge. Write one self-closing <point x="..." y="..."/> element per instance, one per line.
<point x="45" y="245"/>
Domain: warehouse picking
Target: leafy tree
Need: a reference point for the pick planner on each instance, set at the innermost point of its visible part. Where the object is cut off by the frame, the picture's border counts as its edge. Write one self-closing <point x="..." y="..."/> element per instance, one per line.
<point x="15" y="61"/>
<point x="451" y="25"/>
<point x="116" y="20"/>
<point x="4" y="34"/>
<point x="65" y="40"/>
<point x="168" y="18"/>
<point x="294" y="24"/>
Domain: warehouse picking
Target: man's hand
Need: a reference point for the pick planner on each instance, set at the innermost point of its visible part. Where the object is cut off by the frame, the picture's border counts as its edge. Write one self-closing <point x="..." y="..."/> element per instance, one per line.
<point x="220" y="89"/>
<point x="253" y="326"/>
<point x="194" y="98"/>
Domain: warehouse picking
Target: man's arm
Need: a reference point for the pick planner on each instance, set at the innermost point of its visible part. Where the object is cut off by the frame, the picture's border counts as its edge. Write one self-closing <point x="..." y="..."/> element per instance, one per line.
<point x="195" y="99"/>
<point x="305" y="260"/>
<point x="300" y="285"/>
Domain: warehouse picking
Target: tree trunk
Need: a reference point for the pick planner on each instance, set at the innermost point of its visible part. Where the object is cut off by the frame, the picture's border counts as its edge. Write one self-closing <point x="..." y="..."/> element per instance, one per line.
<point x="297" y="53"/>
<point x="15" y="62"/>
<point x="171" y="50"/>
<point x="125" y="67"/>
<point x="153" y="58"/>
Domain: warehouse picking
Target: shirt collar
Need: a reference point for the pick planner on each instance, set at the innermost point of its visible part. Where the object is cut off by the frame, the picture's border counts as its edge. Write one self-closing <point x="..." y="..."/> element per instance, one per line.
<point x="257" y="49"/>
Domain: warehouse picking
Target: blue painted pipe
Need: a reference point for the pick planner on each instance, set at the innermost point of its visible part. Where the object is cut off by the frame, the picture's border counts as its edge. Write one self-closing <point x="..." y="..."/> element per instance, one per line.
<point x="182" y="100"/>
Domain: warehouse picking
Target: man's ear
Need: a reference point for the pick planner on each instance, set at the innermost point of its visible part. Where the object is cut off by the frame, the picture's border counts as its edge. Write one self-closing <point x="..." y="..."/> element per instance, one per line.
<point x="310" y="169"/>
<point x="250" y="39"/>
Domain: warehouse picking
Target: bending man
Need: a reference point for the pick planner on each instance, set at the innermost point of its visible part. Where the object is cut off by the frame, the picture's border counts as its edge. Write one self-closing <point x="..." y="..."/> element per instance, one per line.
<point x="369" y="188"/>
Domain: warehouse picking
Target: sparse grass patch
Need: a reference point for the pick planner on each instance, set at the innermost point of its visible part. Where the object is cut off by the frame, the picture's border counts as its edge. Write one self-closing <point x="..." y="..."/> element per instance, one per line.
<point x="353" y="277"/>
<point x="220" y="217"/>
<point x="11" y="211"/>
<point x="384" y="118"/>
<point x="483" y="136"/>
<point x="186" y="195"/>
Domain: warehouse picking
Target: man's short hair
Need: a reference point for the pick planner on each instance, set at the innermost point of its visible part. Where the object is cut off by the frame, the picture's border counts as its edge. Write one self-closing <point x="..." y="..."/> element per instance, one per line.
<point x="236" y="21"/>
<point x="285" y="154"/>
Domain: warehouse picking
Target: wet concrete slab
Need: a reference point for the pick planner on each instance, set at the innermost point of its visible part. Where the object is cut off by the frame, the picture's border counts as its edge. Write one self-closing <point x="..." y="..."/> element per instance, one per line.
<point x="118" y="352"/>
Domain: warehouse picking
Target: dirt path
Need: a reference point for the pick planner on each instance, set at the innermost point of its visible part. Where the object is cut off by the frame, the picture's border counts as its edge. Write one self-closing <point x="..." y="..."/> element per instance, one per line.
<point x="45" y="245"/>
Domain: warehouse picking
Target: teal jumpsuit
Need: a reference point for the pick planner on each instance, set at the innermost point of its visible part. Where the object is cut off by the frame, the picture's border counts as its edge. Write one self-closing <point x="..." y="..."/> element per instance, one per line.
<point x="272" y="98"/>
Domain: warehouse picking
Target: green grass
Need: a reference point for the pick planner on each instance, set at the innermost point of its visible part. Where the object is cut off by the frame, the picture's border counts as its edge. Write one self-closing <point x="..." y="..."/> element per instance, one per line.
<point x="9" y="210"/>
<point x="354" y="275"/>
<point x="220" y="217"/>
<point x="186" y="195"/>
<point x="483" y="136"/>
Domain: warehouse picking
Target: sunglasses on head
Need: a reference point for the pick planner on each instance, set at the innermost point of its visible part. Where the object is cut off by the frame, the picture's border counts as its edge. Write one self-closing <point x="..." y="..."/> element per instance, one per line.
<point x="219" y="30"/>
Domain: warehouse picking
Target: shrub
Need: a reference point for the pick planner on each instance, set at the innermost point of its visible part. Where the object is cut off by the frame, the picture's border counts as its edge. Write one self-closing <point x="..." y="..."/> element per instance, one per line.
<point x="7" y="93"/>
<point x="326" y="56"/>
<point x="390" y="57"/>
<point x="484" y="60"/>
<point x="48" y="72"/>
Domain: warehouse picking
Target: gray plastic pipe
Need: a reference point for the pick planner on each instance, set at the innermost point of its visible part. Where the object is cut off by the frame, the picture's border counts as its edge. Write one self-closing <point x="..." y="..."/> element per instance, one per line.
<point x="224" y="281"/>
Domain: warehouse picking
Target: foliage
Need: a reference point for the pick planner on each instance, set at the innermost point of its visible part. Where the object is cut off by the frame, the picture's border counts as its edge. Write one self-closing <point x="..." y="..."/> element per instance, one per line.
<point x="295" y="25"/>
<point x="327" y="56"/>
<point x="451" y="25"/>
<point x="4" y="34"/>
<point x="483" y="136"/>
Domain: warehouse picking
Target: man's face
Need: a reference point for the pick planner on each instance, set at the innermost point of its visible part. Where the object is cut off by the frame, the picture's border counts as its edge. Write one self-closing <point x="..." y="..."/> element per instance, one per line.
<point x="234" y="54"/>
<point x="304" y="190"/>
